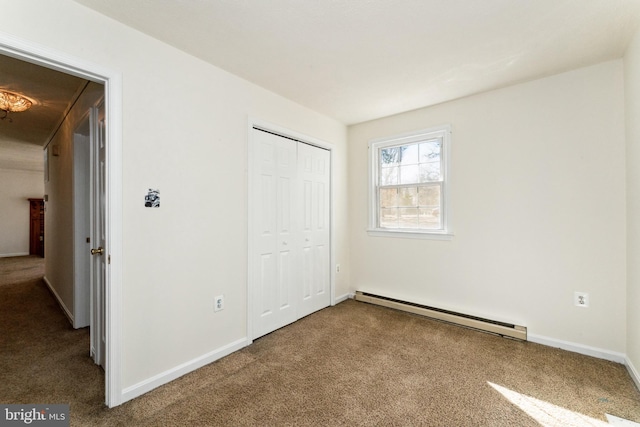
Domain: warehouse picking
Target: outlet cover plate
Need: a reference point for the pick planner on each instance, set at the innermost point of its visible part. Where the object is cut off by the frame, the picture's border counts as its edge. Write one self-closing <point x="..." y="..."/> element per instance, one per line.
<point x="581" y="299"/>
<point x="218" y="303"/>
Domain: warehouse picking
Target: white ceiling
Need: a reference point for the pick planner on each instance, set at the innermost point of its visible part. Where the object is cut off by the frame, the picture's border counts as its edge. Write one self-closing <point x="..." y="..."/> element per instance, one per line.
<point x="52" y="92"/>
<point x="22" y="135"/>
<point x="357" y="60"/>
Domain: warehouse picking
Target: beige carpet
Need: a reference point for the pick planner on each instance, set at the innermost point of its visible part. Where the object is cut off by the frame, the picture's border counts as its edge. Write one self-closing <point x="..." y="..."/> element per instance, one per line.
<point x="352" y="364"/>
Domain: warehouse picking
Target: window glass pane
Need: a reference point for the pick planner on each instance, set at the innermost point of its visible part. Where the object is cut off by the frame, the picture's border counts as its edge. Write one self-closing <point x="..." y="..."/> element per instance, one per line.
<point x="430" y="151"/>
<point x="409" y="154"/>
<point x="409" y="174"/>
<point x="429" y="196"/>
<point x="388" y="197"/>
<point x="408" y="197"/>
<point x="429" y="218"/>
<point x="389" y="176"/>
<point x="430" y="161"/>
<point x="408" y="218"/>
<point x="390" y="156"/>
<point x="389" y="218"/>
<point x="430" y="172"/>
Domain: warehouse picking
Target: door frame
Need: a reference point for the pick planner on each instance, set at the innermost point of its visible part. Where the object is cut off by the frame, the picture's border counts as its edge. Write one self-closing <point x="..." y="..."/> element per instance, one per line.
<point x="44" y="56"/>
<point x="255" y="123"/>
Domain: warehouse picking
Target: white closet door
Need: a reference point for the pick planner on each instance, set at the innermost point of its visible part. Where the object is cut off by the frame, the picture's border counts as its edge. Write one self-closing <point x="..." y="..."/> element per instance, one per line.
<point x="276" y="278"/>
<point x="314" y="201"/>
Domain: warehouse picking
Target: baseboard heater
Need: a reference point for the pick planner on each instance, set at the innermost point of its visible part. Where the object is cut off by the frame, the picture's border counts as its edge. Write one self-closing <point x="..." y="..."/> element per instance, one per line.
<point x="492" y="326"/>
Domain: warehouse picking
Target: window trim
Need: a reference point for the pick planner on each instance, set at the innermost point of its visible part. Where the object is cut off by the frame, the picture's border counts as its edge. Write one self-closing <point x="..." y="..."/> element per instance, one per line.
<point x="446" y="233"/>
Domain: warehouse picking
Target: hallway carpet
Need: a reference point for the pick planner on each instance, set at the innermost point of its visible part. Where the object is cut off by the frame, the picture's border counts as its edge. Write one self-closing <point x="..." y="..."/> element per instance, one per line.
<point x="348" y="365"/>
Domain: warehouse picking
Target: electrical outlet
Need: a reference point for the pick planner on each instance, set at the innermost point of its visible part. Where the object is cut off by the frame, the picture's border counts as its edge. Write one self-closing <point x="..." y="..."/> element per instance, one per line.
<point x="581" y="299"/>
<point x="219" y="303"/>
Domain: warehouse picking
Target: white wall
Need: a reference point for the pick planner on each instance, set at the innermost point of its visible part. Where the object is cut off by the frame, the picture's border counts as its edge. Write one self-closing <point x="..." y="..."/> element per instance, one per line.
<point x="59" y="231"/>
<point x="632" y="98"/>
<point x="185" y="128"/>
<point x="538" y="194"/>
<point x="16" y="186"/>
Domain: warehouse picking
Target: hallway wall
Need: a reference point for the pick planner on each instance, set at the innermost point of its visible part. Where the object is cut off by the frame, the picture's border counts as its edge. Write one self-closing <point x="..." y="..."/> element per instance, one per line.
<point x="21" y="178"/>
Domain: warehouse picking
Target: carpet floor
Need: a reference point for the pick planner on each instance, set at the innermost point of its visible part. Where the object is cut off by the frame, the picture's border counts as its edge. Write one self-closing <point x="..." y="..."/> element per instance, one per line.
<point x="352" y="364"/>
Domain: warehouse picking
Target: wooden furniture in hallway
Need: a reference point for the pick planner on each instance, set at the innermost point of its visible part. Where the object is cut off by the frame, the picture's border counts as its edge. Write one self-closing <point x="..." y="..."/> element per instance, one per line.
<point x="36" y="227"/>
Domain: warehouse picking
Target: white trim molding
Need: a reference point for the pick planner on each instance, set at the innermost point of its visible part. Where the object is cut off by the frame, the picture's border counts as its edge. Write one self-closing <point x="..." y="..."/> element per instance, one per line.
<point x="13" y="255"/>
<point x="578" y="348"/>
<point x="44" y="56"/>
<point x="409" y="234"/>
<point x="341" y="298"/>
<point x="167" y="376"/>
<point x="633" y="372"/>
<point x="61" y="303"/>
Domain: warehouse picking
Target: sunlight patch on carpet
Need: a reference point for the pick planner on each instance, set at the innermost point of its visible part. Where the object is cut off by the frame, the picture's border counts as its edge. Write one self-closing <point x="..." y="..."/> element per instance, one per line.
<point x="547" y="413"/>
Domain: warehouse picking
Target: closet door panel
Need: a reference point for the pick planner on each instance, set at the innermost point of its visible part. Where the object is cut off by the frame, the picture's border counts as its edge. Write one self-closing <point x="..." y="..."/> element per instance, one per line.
<point x="314" y="177"/>
<point x="275" y="276"/>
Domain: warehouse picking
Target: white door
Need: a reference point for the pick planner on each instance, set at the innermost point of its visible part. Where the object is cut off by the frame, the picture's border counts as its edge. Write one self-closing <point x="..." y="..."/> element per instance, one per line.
<point x="314" y="183"/>
<point x="81" y="226"/>
<point x="274" y="225"/>
<point x="98" y="235"/>
<point x="290" y="217"/>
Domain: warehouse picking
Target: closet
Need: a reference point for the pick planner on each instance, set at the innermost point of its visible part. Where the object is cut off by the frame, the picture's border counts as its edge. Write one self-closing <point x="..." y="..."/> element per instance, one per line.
<point x="290" y="230"/>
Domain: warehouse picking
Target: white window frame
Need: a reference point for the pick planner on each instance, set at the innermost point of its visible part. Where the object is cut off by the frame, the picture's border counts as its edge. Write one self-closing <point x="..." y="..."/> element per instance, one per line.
<point x="441" y="132"/>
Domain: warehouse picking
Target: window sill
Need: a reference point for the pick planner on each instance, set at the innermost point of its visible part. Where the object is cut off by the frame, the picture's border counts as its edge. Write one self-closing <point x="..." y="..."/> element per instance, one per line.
<point x="410" y="234"/>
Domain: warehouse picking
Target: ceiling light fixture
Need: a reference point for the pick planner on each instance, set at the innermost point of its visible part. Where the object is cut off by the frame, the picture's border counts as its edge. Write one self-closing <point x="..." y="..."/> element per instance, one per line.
<point x="13" y="103"/>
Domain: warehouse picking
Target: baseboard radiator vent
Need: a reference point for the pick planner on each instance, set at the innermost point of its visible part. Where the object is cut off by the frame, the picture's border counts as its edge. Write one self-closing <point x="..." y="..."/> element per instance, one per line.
<point x="486" y="325"/>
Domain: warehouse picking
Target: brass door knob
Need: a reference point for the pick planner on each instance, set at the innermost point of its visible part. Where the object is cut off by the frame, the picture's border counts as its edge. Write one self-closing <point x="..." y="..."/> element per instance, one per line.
<point x="98" y="251"/>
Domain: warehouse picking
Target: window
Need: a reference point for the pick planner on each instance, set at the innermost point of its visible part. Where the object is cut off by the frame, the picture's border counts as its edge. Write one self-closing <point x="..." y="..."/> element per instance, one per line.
<point x="409" y="184"/>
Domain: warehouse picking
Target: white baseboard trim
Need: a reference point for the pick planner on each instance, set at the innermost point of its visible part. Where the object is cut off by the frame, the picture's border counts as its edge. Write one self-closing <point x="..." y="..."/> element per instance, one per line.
<point x="16" y="254"/>
<point x="180" y="370"/>
<point x="348" y="295"/>
<point x="60" y="302"/>
<point x="578" y="348"/>
<point x="635" y="375"/>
